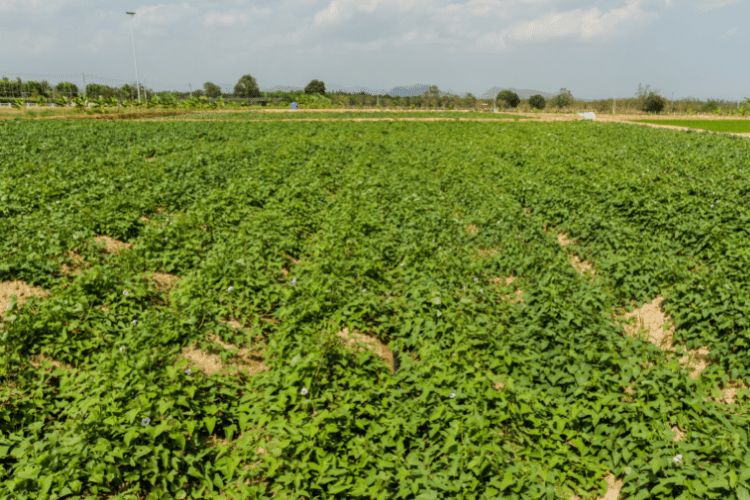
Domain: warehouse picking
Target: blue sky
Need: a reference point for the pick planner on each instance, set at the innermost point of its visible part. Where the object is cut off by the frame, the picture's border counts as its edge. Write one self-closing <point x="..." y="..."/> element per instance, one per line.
<point x="595" y="49"/>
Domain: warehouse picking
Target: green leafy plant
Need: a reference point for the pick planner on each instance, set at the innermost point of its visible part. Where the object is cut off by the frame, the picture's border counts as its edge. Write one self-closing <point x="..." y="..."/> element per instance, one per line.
<point x="521" y="388"/>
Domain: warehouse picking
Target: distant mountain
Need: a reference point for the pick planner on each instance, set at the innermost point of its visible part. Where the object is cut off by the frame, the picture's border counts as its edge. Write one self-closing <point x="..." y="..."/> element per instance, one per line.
<point x="283" y="88"/>
<point x="335" y="87"/>
<point x="522" y="93"/>
<point x="410" y="91"/>
<point x="402" y="90"/>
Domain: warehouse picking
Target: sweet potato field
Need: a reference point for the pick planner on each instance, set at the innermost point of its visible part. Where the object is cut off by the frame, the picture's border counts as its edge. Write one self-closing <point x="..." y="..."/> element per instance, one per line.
<point x="373" y="310"/>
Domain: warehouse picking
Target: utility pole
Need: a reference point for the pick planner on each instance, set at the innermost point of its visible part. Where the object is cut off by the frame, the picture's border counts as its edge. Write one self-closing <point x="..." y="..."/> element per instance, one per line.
<point x="84" y="84"/>
<point x="614" y="103"/>
<point x="191" y="90"/>
<point x="137" y="85"/>
<point x="673" y="103"/>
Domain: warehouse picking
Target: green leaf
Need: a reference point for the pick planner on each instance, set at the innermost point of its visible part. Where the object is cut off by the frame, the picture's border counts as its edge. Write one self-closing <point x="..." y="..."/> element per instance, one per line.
<point x="507" y="481"/>
<point x="180" y="438"/>
<point x="720" y="482"/>
<point x="45" y="483"/>
<point x="209" y="422"/>
<point x="12" y="305"/>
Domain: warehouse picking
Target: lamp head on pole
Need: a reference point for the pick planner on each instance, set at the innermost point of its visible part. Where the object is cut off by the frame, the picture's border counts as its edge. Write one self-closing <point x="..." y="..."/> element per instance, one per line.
<point x="130" y="13"/>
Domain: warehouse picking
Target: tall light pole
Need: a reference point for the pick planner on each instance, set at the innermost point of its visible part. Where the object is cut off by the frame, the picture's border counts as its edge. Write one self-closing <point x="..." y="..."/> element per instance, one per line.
<point x="137" y="85"/>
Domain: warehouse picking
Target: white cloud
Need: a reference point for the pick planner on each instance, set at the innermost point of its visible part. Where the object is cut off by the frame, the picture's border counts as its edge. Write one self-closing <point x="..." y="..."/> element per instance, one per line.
<point x="224" y="19"/>
<point x="40" y="7"/>
<point x="709" y="5"/>
<point x="365" y="47"/>
<point x="410" y="36"/>
<point x="577" y="23"/>
<point x="295" y="38"/>
<point x="730" y="33"/>
<point x="32" y="43"/>
<point x="335" y="13"/>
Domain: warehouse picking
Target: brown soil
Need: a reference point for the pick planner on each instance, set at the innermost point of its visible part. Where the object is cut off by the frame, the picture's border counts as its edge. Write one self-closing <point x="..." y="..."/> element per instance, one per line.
<point x="22" y="290"/>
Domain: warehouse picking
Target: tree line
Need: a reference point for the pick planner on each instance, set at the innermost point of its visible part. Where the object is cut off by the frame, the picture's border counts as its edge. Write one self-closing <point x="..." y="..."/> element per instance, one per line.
<point x="247" y="88"/>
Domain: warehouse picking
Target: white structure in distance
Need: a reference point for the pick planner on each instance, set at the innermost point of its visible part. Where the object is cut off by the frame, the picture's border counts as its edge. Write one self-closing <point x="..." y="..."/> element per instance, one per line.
<point x="587" y="116"/>
<point x="293" y="106"/>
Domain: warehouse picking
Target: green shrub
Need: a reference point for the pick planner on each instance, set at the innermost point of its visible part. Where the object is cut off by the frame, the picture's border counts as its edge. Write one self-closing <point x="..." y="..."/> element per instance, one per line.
<point x="508" y="99"/>
<point x="537" y="101"/>
<point x="563" y="99"/>
<point x="653" y="103"/>
<point x="315" y="87"/>
<point x="711" y="105"/>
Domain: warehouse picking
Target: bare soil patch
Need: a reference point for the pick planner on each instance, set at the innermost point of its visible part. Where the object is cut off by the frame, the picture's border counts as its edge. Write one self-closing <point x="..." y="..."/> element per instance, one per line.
<point x="113" y="245"/>
<point x="22" y="290"/>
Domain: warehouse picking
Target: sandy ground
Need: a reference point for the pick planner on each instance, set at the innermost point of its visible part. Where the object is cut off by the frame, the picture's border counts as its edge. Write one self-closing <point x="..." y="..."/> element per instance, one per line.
<point x="9" y="113"/>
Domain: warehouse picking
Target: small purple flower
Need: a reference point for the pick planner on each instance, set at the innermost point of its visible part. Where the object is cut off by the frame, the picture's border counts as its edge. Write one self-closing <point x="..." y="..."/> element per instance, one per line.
<point x="166" y="239"/>
<point x="125" y="293"/>
<point x="58" y="202"/>
<point x="145" y="421"/>
<point x="402" y="264"/>
<point x="303" y="391"/>
<point x="481" y="291"/>
<point x="134" y="322"/>
<point x="187" y="372"/>
<point x="294" y="281"/>
<point x="364" y="290"/>
<point x="464" y="287"/>
<point x="229" y="290"/>
<point x="452" y="394"/>
<point x="476" y="279"/>
<point x="122" y="348"/>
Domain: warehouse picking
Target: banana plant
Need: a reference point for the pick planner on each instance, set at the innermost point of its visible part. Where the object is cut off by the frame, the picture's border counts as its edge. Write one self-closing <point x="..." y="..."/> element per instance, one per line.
<point x="155" y="101"/>
<point x="63" y="101"/>
<point x="170" y="101"/>
<point x="18" y="103"/>
<point x="99" y="102"/>
<point x="112" y="102"/>
<point x="81" y="102"/>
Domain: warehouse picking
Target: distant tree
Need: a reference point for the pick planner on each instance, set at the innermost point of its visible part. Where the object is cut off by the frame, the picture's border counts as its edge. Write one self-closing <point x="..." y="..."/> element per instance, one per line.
<point x="67" y="89"/>
<point x="469" y="99"/>
<point x="653" y="103"/>
<point x="432" y="93"/>
<point x="246" y="87"/>
<point x="563" y="98"/>
<point x="94" y="90"/>
<point x="537" y="101"/>
<point x="315" y="87"/>
<point x="509" y="98"/>
<point x="211" y="89"/>
<point x="711" y="105"/>
<point x="642" y="94"/>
